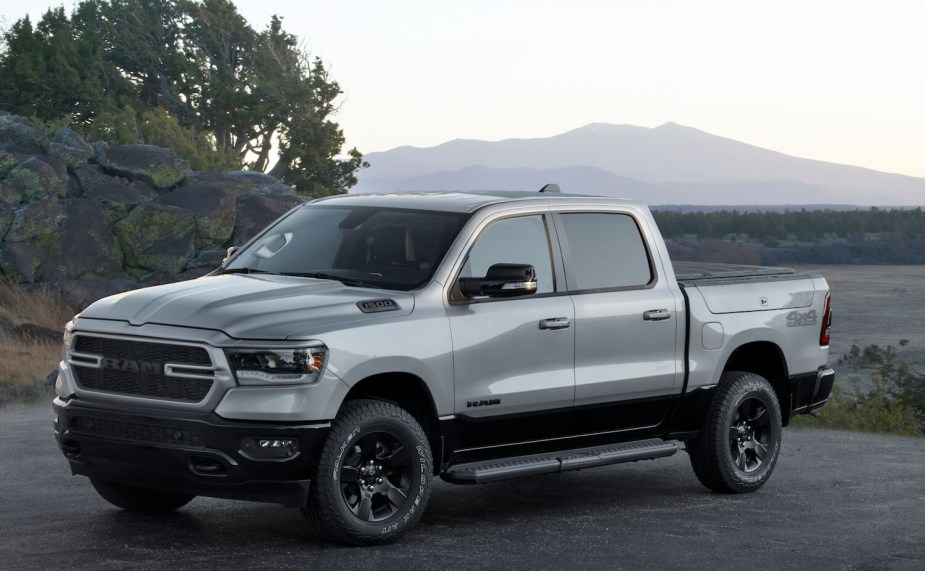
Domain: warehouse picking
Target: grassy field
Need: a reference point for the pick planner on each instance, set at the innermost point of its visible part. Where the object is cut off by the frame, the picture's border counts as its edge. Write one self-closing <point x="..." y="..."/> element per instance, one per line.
<point x="27" y="359"/>
<point x="876" y="305"/>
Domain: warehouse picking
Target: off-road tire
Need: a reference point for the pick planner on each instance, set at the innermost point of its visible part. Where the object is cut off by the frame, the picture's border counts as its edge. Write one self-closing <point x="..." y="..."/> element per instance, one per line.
<point x="140" y="500"/>
<point x="374" y="475"/>
<point x="738" y="446"/>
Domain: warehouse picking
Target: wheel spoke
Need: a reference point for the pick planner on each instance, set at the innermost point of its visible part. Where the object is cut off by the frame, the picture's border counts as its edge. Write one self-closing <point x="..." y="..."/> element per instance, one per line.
<point x="348" y="475"/>
<point x="761" y="451"/>
<point x="760" y="416"/>
<point x="396" y="497"/>
<point x="364" y="510"/>
<point x="368" y="445"/>
<point x="733" y="433"/>
<point x="741" y="461"/>
<point x="398" y="456"/>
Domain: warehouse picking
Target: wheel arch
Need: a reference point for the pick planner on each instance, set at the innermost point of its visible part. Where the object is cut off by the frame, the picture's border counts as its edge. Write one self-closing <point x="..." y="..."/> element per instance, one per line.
<point x="409" y="392"/>
<point x="766" y="359"/>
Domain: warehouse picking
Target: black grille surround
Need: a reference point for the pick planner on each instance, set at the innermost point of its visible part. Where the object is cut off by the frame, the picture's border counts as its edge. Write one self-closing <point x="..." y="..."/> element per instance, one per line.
<point x="136" y="368"/>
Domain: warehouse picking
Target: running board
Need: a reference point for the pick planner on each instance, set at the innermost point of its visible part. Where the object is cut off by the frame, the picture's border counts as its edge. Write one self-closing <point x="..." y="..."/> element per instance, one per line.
<point x="507" y="468"/>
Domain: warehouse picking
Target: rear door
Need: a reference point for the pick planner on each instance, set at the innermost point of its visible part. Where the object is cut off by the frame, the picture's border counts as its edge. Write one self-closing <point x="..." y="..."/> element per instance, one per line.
<point x="627" y="325"/>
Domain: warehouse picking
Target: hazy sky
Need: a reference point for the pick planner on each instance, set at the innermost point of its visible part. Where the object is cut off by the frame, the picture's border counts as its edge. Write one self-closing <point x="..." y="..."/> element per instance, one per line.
<point x="837" y="81"/>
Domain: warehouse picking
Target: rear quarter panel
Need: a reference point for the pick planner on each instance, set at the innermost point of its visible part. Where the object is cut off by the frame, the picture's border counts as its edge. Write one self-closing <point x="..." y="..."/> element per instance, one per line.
<point x="785" y="312"/>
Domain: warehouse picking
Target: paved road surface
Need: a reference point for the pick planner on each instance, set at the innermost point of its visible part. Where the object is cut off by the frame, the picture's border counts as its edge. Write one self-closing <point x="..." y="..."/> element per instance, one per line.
<point x="836" y="501"/>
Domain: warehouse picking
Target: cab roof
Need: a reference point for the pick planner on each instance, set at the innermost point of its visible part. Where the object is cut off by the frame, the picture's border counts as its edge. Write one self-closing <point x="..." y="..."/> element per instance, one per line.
<point x="464" y="201"/>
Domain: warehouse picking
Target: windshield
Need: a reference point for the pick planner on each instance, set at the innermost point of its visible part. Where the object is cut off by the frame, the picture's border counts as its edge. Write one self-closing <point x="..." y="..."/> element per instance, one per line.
<point x="359" y="246"/>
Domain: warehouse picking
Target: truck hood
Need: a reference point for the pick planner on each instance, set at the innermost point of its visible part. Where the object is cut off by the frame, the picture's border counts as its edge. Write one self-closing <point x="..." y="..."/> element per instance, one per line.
<point x="251" y="306"/>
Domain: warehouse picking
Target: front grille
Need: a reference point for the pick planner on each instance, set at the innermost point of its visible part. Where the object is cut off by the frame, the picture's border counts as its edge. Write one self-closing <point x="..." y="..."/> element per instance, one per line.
<point x="136" y="368"/>
<point x="136" y="432"/>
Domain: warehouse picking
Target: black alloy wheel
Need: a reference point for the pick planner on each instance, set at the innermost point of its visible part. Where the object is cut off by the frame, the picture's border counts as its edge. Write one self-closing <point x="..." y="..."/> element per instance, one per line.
<point x="376" y="476"/>
<point x="738" y="445"/>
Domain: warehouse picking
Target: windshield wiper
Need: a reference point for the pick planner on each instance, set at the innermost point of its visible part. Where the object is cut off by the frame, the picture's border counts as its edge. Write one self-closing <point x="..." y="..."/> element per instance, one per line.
<point x="325" y="276"/>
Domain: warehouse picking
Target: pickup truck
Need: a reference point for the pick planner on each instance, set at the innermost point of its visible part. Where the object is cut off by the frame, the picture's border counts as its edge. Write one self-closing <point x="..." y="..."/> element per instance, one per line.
<point x="362" y="345"/>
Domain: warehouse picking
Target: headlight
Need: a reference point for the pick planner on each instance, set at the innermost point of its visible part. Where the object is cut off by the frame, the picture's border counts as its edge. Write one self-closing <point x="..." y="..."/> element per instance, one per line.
<point x="277" y="366"/>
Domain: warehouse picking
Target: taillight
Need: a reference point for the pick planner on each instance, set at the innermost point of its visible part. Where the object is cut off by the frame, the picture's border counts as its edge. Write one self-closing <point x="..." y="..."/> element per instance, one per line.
<point x="826" y="321"/>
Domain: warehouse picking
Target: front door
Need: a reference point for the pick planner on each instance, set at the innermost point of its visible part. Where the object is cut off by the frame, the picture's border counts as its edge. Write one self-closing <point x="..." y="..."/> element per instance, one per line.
<point x="514" y="356"/>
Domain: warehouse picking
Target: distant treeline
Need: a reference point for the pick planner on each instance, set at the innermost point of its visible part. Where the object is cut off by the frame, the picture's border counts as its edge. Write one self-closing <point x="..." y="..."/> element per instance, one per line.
<point x="798" y="225"/>
<point x="875" y="236"/>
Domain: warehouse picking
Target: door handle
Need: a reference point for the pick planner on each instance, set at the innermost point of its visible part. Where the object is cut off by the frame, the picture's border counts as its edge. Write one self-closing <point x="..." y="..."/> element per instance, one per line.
<point x="555" y="323"/>
<point x="656" y="315"/>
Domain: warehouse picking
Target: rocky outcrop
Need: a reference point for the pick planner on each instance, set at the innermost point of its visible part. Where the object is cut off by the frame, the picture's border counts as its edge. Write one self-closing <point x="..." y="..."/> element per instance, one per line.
<point x="78" y="213"/>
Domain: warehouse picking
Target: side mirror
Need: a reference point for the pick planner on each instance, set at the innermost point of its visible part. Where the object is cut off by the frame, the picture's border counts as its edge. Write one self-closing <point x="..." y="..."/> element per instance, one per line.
<point x="502" y="280"/>
<point x="229" y="252"/>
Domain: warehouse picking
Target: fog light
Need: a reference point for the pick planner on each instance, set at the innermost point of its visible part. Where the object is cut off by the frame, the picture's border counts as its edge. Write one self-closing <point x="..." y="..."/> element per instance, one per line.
<point x="269" y="448"/>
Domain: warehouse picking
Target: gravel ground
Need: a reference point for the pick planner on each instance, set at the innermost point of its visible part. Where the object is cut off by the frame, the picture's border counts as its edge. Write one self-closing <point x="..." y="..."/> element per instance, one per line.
<point x="837" y="500"/>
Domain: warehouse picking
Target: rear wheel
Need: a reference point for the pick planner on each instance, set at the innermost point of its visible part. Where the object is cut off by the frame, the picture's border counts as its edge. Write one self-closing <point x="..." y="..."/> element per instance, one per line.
<point x="374" y="475"/>
<point x="141" y="500"/>
<point x="738" y="446"/>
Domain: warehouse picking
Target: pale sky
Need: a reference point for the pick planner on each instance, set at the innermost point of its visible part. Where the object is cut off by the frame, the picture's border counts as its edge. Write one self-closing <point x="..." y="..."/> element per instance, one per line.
<point x="836" y="81"/>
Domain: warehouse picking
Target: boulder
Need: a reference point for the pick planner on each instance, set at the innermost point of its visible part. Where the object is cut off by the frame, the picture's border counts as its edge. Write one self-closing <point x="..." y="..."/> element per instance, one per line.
<point x="88" y="249"/>
<point x="114" y="193"/>
<point x="210" y="259"/>
<point x="157" y="237"/>
<point x="39" y="224"/>
<point x="37" y="180"/>
<point x="19" y="134"/>
<point x="10" y="194"/>
<point x="256" y="212"/>
<point x="214" y="209"/>
<point x="161" y="168"/>
<point x="242" y="186"/>
<point x="6" y="220"/>
<point x="263" y="183"/>
<point x="70" y="148"/>
<point x="7" y="162"/>
<point x="21" y="262"/>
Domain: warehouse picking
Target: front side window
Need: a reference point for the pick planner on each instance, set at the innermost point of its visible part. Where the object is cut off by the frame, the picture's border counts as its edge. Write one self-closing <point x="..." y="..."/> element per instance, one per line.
<point x="606" y="251"/>
<point x="520" y="240"/>
<point x="359" y="246"/>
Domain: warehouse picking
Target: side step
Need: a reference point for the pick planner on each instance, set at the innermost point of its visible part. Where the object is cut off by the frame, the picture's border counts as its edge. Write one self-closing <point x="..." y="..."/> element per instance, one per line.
<point x="507" y="468"/>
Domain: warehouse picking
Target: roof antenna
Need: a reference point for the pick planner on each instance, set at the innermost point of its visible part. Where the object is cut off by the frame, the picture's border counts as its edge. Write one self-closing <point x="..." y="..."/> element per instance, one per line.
<point x="551" y="188"/>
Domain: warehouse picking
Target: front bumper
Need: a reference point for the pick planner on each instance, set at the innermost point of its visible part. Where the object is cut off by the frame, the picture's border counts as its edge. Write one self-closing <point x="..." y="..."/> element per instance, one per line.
<point x="189" y="453"/>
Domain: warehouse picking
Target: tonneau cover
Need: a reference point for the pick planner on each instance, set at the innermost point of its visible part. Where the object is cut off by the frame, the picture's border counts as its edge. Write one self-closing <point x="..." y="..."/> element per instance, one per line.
<point x="689" y="271"/>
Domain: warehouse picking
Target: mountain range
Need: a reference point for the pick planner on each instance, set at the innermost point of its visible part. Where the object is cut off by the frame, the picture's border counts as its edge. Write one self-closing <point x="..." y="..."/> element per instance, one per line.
<point x="669" y="164"/>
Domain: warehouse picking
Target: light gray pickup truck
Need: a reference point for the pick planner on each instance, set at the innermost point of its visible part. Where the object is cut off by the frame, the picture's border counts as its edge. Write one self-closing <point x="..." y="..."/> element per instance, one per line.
<point x="361" y="345"/>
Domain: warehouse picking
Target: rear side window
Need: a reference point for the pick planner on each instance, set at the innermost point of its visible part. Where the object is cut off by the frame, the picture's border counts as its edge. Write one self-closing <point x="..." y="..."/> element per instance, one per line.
<point x="606" y="251"/>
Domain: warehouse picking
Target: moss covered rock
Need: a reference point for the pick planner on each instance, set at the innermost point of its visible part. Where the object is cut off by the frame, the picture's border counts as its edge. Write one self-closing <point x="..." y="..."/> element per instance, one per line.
<point x="6" y="220"/>
<point x="214" y="209"/>
<point x="255" y="212"/>
<point x="161" y="168"/>
<point x="7" y="163"/>
<point x="37" y="180"/>
<point x="70" y="148"/>
<point x="157" y="237"/>
<point x="117" y="195"/>
<point x="241" y="185"/>
<point x="38" y="223"/>
<point x="87" y="249"/>
<point x="18" y="134"/>
<point x="21" y="263"/>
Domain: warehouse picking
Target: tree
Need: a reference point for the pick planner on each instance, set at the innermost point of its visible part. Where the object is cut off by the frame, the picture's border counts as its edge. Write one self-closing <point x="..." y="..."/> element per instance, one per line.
<point x="253" y="96"/>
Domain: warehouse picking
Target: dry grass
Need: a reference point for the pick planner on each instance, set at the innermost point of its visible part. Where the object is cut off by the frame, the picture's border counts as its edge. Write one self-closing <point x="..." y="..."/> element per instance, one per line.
<point x="26" y="361"/>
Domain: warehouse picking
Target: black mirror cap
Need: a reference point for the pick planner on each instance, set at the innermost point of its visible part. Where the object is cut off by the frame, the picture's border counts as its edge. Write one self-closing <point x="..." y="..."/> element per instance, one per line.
<point x="502" y="280"/>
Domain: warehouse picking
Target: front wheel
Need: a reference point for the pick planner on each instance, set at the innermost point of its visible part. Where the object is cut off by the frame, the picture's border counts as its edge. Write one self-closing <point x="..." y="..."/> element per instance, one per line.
<point x="141" y="500"/>
<point x="373" y="477"/>
<point x="738" y="446"/>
